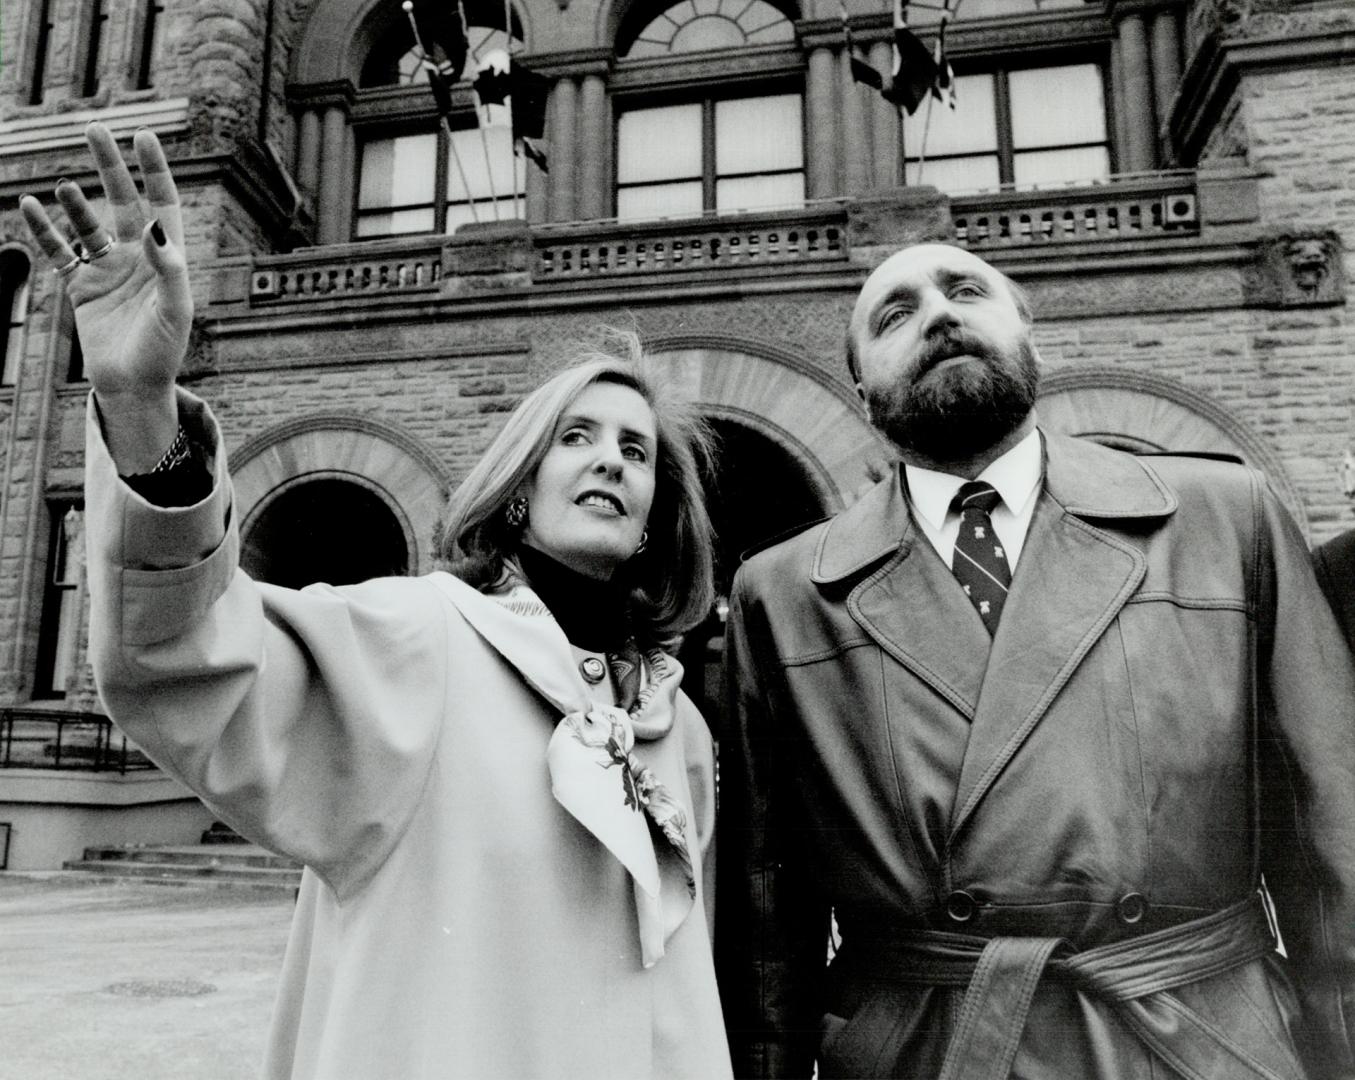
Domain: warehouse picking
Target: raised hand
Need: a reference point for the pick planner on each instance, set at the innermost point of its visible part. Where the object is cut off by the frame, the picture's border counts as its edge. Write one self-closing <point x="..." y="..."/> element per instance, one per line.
<point x="129" y="288"/>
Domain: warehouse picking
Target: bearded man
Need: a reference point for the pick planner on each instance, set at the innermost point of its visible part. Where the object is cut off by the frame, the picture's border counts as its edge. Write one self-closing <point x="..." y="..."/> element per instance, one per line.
<point x="1059" y="736"/>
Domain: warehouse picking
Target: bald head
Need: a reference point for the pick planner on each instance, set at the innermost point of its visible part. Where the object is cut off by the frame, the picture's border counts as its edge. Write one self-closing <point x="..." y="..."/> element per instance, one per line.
<point x="941" y="348"/>
<point x="922" y="255"/>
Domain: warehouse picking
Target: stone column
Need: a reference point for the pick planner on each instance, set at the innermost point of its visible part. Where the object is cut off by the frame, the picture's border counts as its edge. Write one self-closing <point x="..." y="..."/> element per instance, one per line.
<point x="308" y="152"/>
<point x="592" y="199"/>
<point x="1139" y="155"/>
<point x="333" y="184"/>
<point x="1166" y="33"/>
<point x="821" y="170"/>
<point x="884" y="123"/>
<point x="856" y="144"/>
<point x="563" y="179"/>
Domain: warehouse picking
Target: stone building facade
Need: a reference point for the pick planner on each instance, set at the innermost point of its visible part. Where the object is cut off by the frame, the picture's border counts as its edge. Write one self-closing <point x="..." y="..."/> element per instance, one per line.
<point x="1173" y="181"/>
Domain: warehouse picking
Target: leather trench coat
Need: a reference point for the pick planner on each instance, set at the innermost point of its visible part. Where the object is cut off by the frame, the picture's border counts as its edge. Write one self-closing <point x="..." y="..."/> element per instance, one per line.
<point x="1164" y="719"/>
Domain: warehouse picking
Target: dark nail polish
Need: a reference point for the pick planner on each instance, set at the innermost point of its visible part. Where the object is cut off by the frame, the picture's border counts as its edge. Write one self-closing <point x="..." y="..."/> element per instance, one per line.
<point x="63" y="180"/>
<point x="157" y="233"/>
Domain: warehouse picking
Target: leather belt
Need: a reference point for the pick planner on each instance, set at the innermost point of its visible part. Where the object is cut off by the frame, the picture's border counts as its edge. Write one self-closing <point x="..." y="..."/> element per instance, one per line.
<point x="1134" y="977"/>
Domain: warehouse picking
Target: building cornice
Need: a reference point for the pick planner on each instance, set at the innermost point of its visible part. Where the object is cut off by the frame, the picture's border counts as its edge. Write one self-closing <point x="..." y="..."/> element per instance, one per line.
<point x="1216" y="70"/>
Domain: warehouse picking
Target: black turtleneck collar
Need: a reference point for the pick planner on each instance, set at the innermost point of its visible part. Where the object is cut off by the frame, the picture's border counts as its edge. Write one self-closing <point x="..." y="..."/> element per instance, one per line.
<point x="594" y="614"/>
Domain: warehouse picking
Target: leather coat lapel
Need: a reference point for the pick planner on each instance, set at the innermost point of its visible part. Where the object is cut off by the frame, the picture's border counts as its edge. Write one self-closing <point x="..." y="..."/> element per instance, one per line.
<point x="1071" y="582"/>
<point x="911" y="606"/>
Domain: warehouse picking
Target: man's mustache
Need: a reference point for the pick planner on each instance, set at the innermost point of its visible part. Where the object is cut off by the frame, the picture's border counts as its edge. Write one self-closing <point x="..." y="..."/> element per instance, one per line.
<point x="950" y="344"/>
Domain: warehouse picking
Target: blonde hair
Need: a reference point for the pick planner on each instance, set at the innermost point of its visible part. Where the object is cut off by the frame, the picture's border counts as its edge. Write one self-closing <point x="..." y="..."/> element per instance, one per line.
<point x="673" y="578"/>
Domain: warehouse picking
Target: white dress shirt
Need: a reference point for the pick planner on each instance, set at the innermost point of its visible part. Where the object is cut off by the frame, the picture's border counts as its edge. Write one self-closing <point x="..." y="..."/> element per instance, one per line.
<point x="1016" y="476"/>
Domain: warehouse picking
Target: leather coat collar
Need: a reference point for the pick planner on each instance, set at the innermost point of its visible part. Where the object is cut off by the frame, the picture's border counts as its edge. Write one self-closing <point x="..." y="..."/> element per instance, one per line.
<point x="1077" y="570"/>
<point x="1085" y="478"/>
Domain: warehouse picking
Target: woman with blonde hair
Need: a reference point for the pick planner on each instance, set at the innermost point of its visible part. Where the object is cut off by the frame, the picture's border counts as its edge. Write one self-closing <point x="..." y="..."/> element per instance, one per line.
<point x="502" y="799"/>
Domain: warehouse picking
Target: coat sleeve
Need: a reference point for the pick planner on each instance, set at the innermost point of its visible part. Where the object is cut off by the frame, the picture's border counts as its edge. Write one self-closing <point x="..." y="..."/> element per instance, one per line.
<point x="306" y="720"/>
<point x="1306" y="767"/>
<point x="771" y="937"/>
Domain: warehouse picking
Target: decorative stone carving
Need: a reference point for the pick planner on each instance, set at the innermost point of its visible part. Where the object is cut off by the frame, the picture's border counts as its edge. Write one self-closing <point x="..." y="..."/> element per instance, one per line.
<point x="1298" y="270"/>
<point x="1346" y="471"/>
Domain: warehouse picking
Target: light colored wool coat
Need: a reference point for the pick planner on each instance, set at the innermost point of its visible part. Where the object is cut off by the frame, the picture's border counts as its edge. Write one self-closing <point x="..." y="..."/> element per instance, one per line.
<point x="453" y="919"/>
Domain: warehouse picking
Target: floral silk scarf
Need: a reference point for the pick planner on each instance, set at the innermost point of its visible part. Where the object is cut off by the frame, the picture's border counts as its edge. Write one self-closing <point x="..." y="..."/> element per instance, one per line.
<point x="594" y="772"/>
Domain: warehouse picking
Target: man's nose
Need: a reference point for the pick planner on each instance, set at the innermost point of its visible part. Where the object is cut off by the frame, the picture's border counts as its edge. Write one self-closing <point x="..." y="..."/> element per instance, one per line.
<point x="937" y="313"/>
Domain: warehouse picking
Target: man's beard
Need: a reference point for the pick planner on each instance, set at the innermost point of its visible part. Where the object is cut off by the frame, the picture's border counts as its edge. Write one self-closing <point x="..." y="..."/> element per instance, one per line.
<point x="958" y="413"/>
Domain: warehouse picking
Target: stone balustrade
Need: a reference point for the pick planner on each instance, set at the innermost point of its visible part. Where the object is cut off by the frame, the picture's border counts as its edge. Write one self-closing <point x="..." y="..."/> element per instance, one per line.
<point x="1157" y="208"/>
<point x="575" y="253"/>
<point x="1153" y="206"/>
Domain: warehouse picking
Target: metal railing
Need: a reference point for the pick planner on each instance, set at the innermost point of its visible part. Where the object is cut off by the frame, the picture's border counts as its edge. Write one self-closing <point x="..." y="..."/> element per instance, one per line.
<point x="48" y="739"/>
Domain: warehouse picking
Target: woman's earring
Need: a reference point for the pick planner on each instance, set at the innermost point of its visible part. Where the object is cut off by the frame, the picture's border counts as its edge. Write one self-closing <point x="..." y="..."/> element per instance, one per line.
<point x="644" y="539"/>
<point x="516" y="514"/>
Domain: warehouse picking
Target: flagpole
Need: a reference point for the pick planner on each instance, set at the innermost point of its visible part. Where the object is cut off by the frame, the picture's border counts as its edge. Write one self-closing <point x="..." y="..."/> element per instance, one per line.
<point x="484" y="139"/>
<point x="926" y="128"/>
<point x="512" y="142"/>
<point x="431" y="68"/>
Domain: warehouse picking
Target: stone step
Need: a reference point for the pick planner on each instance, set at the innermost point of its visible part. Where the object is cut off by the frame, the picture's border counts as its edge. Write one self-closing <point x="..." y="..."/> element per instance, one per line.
<point x="237" y="865"/>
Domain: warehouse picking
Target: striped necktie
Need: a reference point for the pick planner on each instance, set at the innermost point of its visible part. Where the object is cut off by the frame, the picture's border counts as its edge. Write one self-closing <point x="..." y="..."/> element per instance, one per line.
<point x="980" y="563"/>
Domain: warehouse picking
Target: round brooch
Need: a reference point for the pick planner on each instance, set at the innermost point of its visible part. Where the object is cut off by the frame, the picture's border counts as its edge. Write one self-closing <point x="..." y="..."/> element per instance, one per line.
<point x="592" y="669"/>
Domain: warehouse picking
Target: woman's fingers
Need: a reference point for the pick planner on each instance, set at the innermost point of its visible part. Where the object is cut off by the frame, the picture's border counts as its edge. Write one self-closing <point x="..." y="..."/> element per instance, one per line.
<point x="45" y="234"/>
<point x="93" y="236"/>
<point x="161" y="192"/>
<point x="119" y="188"/>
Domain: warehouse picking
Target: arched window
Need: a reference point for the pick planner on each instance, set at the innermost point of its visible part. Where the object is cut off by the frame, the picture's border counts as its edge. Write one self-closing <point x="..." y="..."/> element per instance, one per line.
<point x="692" y="26"/>
<point x="416" y="174"/>
<point x="14" y="272"/>
<point x="41" y="47"/>
<point x="698" y="144"/>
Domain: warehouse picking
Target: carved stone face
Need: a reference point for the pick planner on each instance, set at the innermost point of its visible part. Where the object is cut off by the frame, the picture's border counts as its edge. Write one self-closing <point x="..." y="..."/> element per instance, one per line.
<point x="1309" y="261"/>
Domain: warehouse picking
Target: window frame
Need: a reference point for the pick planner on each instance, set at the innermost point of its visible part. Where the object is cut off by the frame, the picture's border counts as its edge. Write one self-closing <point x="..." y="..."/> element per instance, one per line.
<point x="686" y="78"/>
<point x="54" y="593"/>
<point x="16" y="284"/>
<point x="393" y="111"/>
<point x="1000" y="65"/>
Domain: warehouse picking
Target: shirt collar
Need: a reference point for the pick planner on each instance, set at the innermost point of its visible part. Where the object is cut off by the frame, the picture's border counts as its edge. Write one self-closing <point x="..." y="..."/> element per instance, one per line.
<point x="1015" y="475"/>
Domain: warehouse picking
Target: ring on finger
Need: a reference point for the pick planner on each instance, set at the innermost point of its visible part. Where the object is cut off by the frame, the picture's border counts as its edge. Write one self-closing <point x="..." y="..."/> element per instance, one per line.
<point x="100" y="251"/>
<point x="66" y="269"/>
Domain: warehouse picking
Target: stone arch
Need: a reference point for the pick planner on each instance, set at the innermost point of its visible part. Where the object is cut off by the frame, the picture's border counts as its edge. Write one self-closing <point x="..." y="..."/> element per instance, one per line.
<point x="782" y="397"/>
<point x="1144" y="411"/>
<point x="615" y="14"/>
<point x="408" y="477"/>
<point x="340" y="33"/>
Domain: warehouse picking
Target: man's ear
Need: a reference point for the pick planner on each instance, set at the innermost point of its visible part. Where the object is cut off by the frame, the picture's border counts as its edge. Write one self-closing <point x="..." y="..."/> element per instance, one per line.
<point x="865" y="401"/>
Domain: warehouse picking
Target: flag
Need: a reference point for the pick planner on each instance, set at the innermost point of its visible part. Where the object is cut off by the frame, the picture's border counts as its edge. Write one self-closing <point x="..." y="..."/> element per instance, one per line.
<point x="862" y="72"/>
<point x="442" y="91"/>
<point x="529" y="91"/>
<point x="914" y="71"/>
<point x="534" y="153"/>
<point x="441" y="35"/>
<point x="492" y="85"/>
<point x="943" y="89"/>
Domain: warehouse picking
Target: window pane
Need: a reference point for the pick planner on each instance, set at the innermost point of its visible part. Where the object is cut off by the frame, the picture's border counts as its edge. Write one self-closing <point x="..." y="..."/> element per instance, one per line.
<point x="659" y="144"/>
<point x="707" y="32"/>
<point x="660" y="200"/>
<point x="956" y="174"/>
<point x="470" y="151"/>
<point x="754" y="192"/>
<point x="970" y="128"/>
<point x="1062" y="166"/>
<point x="758" y="134"/>
<point x="398" y="172"/>
<point x="1057" y="106"/>
<point x="402" y="221"/>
